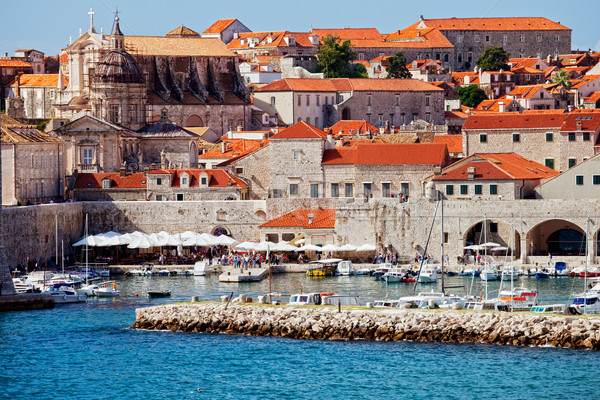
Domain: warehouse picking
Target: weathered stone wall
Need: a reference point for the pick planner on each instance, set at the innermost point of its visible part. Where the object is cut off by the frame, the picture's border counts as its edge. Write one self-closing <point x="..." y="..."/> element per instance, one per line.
<point x="256" y="171"/>
<point x="305" y="170"/>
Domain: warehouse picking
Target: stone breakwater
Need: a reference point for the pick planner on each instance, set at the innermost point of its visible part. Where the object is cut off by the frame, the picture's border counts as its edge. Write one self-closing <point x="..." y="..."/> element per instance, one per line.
<point x="326" y="323"/>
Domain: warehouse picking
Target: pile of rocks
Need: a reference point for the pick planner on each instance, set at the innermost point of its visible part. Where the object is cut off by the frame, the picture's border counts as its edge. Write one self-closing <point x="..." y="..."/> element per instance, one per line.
<point x="326" y="323"/>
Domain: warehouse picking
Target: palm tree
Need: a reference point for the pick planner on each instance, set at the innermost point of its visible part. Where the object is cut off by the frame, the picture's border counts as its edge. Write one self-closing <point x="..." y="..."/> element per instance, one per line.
<point x="562" y="78"/>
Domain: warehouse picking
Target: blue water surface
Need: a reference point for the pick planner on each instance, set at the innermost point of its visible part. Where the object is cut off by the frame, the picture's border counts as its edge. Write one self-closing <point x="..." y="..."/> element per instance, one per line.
<point x="87" y="351"/>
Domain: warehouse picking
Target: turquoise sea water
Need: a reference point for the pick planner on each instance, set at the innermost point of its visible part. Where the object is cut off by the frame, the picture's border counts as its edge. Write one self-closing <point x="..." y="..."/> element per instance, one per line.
<point x="87" y="351"/>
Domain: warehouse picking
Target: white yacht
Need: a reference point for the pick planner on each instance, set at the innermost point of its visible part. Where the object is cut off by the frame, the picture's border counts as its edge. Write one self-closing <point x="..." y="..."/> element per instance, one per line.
<point x="64" y="293"/>
<point x="428" y="275"/>
<point x="201" y="268"/>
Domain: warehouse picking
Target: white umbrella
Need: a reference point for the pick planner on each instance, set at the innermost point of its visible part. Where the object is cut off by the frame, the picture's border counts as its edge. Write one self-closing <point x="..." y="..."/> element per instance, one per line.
<point x="490" y="244"/>
<point x="499" y="248"/>
<point x="348" y="247"/>
<point x="366" y="247"/>
<point x="309" y="247"/>
<point x="246" y="246"/>
<point x="225" y="240"/>
<point x="265" y="246"/>
<point x="286" y="247"/>
<point x="140" y="242"/>
<point x="90" y="240"/>
<point x="212" y="240"/>
<point x="196" y="240"/>
<point x="112" y="241"/>
<point x="472" y="247"/>
<point x="187" y="234"/>
<point x="330" y="247"/>
<point x="168" y="240"/>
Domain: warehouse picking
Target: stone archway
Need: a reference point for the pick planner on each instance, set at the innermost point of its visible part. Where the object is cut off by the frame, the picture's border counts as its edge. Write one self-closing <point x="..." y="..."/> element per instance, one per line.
<point x="194" y="120"/>
<point x="346" y="114"/>
<point x="556" y="236"/>
<point x="496" y="231"/>
<point x="193" y="155"/>
<point x="218" y="231"/>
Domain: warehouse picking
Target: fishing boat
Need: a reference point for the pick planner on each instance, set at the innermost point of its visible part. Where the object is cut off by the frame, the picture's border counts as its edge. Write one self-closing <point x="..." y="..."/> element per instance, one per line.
<point x="396" y="275"/>
<point x="63" y="293"/>
<point x="323" y="298"/>
<point x="556" y="308"/>
<point x="156" y="294"/>
<point x="381" y="270"/>
<point x="386" y="303"/>
<point x="519" y="299"/>
<point x="542" y="274"/>
<point x="428" y="275"/>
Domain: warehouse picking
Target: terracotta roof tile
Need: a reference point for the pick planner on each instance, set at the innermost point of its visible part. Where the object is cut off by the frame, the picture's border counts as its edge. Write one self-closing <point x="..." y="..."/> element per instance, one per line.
<point x="388" y="154"/>
<point x="494" y="24"/>
<point x="182" y="31"/>
<point x="454" y="142"/>
<point x="353" y="127"/>
<point x="14" y="63"/>
<point x="235" y="147"/>
<point x="135" y="180"/>
<point x="321" y="219"/>
<point x="220" y="25"/>
<point x="414" y="37"/>
<point x="26" y="134"/>
<point x="216" y="177"/>
<point x="300" y="130"/>
<point x="38" y="80"/>
<point x="176" y="46"/>
<point x="496" y="166"/>
<point x="349" y="33"/>
<point x="513" y="120"/>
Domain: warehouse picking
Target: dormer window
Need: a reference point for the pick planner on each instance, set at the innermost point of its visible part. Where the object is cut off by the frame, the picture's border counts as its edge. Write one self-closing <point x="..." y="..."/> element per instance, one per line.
<point x="203" y="178"/>
<point x="106" y="183"/>
<point x="185" y="180"/>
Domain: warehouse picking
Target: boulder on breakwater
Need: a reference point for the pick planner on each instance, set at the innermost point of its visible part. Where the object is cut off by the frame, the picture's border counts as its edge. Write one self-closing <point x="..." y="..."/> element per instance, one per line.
<point x="326" y="323"/>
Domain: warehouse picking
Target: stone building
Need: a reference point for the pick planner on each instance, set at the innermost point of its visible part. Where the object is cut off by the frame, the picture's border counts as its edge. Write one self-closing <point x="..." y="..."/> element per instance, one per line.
<point x="506" y="176"/>
<point x="129" y="80"/>
<point x="32" y="165"/>
<point x="579" y="182"/>
<point x="392" y="102"/>
<point x="225" y="30"/>
<point x="31" y="96"/>
<point x="8" y="70"/>
<point x="280" y="43"/>
<point x="557" y="140"/>
<point x="519" y="36"/>
<point x="159" y="185"/>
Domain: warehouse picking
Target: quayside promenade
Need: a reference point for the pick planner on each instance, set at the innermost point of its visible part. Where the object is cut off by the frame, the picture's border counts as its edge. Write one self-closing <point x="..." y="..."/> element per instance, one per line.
<point x="359" y="323"/>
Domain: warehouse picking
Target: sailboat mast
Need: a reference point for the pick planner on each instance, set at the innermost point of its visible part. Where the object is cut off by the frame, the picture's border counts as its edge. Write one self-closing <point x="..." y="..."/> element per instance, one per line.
<point x="585" y="288"/>
<point x="443" y="237"/>
<point x="485" y="254"/>
<point x="56" y="238"/>
<point x="87" y="273"/>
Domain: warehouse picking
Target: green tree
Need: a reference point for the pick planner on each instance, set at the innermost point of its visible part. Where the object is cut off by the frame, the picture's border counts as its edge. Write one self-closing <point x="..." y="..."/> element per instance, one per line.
<point x="359" y="71"/>
<point x="334" y="58"/>
<point x="471" y="95"/>
<point x="397" y="68"/>
<point x="562" y="78"/>
<point x="493" y="59"/>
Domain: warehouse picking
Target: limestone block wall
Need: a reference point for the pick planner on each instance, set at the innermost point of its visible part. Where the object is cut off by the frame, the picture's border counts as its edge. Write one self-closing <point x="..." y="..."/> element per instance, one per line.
<point x="283" y="107"/>
<point x="256" y="171"/>
<point x="9" y="196"/>
<point x="176" y="150"/>
<point x="303" y="170"/>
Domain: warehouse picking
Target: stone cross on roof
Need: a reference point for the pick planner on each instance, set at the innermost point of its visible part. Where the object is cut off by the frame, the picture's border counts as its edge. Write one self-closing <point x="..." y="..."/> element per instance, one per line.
<point x="91" y="13"/>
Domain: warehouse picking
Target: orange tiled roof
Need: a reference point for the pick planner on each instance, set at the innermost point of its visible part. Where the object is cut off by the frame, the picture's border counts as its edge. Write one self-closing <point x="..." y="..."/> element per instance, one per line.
<point x="496" y="166"/>
<point x="523" y="62"/>
<point x="583" y="120"/>
<point x="321" y="219"/>
<point x="387" y="154"/>
<point x="349" y="33"/>
<point x="494" y="105"/>
<point x="216" y="177"/>
<point x="14" y="63"/>
<point x="277" y="39"/>
<point x="182" y="31"/>
<point x="235" y="147"/>
<point x="63" y="57"/>
<point x="585" y="80"/>
<point x="454" y="142"/>
<point x="220" y="25"/>
<point x="514" y="120"/>
<point x="494" y="24"/>
<point x="415" y="37"/>
<point x="25" y="134"/>
<point x="594" y="97"/>
<point x="353" y="127"/>
<point x="300" y="130"/>
<point x="135" y="180"/>
<point x="37" y="80"/>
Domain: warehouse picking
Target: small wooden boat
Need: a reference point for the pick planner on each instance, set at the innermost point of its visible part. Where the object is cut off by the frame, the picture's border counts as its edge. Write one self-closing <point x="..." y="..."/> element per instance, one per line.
<point x="155" y="294"/>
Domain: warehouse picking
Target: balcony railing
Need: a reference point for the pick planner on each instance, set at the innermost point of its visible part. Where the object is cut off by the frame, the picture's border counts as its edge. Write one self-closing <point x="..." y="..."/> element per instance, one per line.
<point x="88" y="167"/>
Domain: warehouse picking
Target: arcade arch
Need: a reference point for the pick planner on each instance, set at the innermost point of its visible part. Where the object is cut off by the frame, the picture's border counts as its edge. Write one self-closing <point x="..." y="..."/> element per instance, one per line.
<point x="558" y="237"/>
<point x="494" y="231"/>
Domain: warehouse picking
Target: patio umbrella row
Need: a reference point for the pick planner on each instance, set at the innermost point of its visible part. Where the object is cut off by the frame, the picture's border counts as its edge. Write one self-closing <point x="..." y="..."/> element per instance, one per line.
<point x="270" y="246"/>
<point x="139" y="240"/>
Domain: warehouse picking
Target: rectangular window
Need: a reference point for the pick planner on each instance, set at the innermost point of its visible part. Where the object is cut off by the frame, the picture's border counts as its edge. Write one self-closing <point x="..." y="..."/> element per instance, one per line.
<point x="539" y="38"/>
<point x="318" y="101"/>
<point x="335" y="190"/>
<point x="596" y="179"/>
<point x="179" y="196"/>
<point x="133" y="115"/>
<point x="579" y="180"/>
<point x="493" y="227"/>
<point x="449" y="190"/>
<point x="459" y="38"/>
<point x="504" y="39"/>
<point x="478" y="189"/>
<point x="42" y="189"/>
<point x="296" y="155"/>
<point x="159" y="197"/>
<point x="158" y="181"/>
<point x="487" y="38"/>
<point x="586" y="136"/>
<point x="549" y="162"/>
<point x="114" y="113"/>
<point x="516" y="137"/>
<point x="464" y="189"/>
<point x="88" y="156"/>
<point x="239" y="170"/>
<point x="106" y="184"/>
<point x="404" y="189"/>
<point x="349" y="190"/>
<point x="368" y="100"/>
<point x="446" y="57"/>
<point x="272" y="100"/>
<point x="299" y="100"/>
<point x="572" y="162"/>
<point x="367" y="189"/>
<point x="549" y="137"/>
<point x="476" y="39"/>
<point x="427" y="100"/>
<point x="571" y="136"/>
<point x="184" y="180"/>
<point x="427" y="117"/>
<point x="293" y="189"/>
<point x="493" y="189"/>
<point x="522" y="38"/>
<point x="483" y="138"/>
<point x="459" y="57"/>
<point x="204" y="181"/>
<point x="385" y="189"/>
<point x="307" y="100"/>
<point x="314" y="190"/>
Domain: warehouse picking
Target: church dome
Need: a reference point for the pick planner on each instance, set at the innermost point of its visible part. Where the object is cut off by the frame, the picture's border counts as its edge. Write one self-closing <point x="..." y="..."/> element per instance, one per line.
<point x="118" y="67"/>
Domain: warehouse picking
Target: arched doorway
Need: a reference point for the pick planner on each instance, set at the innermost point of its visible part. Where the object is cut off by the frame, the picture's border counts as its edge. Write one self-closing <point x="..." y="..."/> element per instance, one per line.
<point x="346" y="114"/>
<point x="556" y="236"/>
<point x="194" y="120"/>
<point x="220" y="231"/>
<point x="495" y="231"/>
<point x="193" y="155"/>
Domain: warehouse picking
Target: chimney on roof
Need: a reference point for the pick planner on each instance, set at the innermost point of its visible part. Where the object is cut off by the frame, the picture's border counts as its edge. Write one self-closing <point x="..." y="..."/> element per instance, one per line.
<point x="239" y="128"/>
<point x="224" y="147"/>
<point x="501" y="107"/>
<point x="5" y="54"/>
<point x="471" y="173"/>
<point x="311" y="218"/>
<point x="122" y="171"/>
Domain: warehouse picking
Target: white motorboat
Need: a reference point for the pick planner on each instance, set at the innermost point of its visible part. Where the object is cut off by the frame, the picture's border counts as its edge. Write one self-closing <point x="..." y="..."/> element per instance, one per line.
<point x="136" y="272"/>
<point x="201" y="268"/>
<point x="490" y="273"/>
<point x="519" y="299"/>
<point x="345" y="268"/>
<point x="398" y="275"/>
<point x="108" y="290"/>
<point x="386" y="303"/>
<point x="511" y="270"/>
<point x="330" y="299"/>
<point x="428" y="276"/>
<point x="21" y="286"/>
<point x="363" y="271"/>
<point x="88" y="290"/>
<point x="556" y="308"/>
<point x="164" y="272"/>
<point x="432" y="300"/>
<point x="64" y="293"/>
